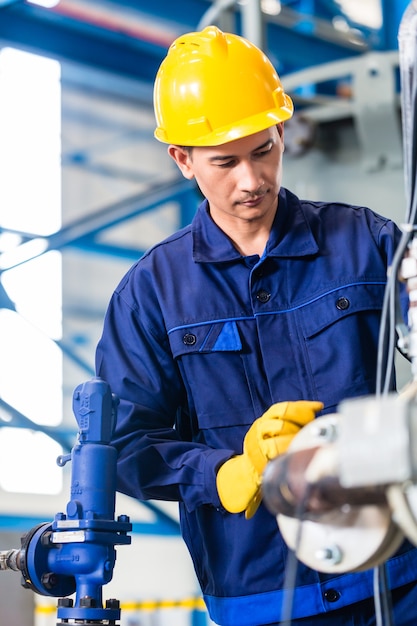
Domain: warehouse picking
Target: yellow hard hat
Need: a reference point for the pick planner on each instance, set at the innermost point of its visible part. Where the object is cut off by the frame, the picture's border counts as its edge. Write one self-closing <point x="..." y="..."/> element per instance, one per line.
<point x="215" y="87"/>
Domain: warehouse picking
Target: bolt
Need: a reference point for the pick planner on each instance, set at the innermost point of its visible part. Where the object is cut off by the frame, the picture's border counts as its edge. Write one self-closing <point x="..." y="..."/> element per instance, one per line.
<point x="328" y="432"/>
<point x="49" y="580"/>
<point x="46" y="539"/>
<point x="88" y="602"/>
<point x="112" y="603"/>
<point x="331" y="554"/>
<point x="65" y="602"/>
<point x="403" y="344"/>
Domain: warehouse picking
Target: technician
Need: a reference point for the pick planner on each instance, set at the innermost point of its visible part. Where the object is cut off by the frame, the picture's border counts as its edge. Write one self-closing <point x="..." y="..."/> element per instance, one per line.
<point x="225" y="339"/>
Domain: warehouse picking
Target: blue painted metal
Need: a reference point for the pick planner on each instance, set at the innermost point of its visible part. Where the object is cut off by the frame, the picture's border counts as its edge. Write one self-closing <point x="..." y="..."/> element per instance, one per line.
<point x="188" y="206"/>
<point x="162" y="525"/>
<point x="91" y="246"/>
<point x="80" y="543"/>
<point x="77" y="550"/>
<point x="64" y="437"/>
<point x="299" y="47"/>
<point x="84" y="38"/>
<point x="5" y="301"/>
<point x="62" y="38"/>
<point x="94" y="223"/>
<point x="199" y="618"/>
<point x="83" y="231"/>
<point x="392" y="13"/>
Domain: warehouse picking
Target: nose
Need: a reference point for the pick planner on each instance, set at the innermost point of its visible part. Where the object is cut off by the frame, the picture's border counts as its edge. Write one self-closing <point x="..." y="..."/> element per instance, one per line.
<point x="249" y="176"/>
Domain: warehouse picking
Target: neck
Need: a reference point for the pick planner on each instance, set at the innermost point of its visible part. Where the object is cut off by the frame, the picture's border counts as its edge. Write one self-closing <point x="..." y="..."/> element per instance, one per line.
<point x="248" y="246"/>
<point x="248" y="236"/>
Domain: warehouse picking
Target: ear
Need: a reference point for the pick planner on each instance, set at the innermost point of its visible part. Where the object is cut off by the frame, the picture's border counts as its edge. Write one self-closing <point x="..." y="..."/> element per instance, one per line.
<point x="183" y="159"/>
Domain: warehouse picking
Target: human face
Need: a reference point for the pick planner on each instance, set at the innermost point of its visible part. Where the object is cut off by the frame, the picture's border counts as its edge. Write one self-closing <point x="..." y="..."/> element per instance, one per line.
<point x="240" y="179"/>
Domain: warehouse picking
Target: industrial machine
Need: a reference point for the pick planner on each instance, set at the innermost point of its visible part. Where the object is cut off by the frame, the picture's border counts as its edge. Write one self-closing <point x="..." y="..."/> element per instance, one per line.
<point x="345" y="494"/>
<point x="75" y="553"/>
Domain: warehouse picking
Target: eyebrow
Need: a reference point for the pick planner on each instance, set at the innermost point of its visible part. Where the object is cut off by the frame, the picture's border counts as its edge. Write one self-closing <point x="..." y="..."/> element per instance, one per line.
<point x="231" y="156"/>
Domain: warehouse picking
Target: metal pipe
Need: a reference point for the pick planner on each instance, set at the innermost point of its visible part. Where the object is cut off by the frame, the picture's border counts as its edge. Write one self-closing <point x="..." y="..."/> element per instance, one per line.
<point x="10" y="559"/>
<point x="287" y="490"/>
<point x="252" y="22"/>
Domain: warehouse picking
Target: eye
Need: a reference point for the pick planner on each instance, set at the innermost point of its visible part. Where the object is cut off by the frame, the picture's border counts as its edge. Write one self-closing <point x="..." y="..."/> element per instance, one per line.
<point x="226" y="164"/>
<point x="262" y="153"/>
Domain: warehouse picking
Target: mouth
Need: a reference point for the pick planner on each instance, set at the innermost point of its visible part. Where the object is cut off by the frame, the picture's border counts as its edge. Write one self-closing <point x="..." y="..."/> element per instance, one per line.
<point x="252" y="200"/>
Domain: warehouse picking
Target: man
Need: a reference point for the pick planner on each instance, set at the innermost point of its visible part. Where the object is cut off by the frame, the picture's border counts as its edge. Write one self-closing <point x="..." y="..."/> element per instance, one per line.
<point x="230" y="335"/>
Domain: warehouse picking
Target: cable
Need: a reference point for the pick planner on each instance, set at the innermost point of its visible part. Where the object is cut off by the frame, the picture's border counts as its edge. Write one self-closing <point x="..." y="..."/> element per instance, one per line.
<point x="407" y="39"/>
<point x="291" y="566"/>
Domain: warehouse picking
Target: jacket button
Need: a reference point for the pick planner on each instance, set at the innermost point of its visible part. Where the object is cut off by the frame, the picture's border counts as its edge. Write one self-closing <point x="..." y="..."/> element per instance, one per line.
<point x="342" y="304"/>
<point x="189" y="339"/>
<point x="263" y="296"/>
<point x="331" y="595"/>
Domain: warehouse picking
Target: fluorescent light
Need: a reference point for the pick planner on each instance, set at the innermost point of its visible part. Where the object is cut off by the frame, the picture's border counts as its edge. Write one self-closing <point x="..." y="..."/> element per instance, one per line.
<point x="271" y="7"/>
<point x="366" y="12"/>
<point x="48" y="4"/>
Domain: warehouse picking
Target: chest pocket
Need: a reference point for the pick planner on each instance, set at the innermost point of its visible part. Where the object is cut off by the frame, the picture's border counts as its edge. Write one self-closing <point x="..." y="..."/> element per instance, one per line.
<point x="341" y="340"/>
<point x="205" y="338"/>
<point x="210" y="360"/>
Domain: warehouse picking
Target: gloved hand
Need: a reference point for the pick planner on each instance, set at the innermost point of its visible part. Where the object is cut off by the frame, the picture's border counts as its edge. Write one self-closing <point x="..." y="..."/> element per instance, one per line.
<point x="239" y="479"/>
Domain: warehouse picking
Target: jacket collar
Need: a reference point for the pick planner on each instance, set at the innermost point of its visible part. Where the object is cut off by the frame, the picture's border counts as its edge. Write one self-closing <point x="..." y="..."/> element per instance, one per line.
<point x="290" y="235"/>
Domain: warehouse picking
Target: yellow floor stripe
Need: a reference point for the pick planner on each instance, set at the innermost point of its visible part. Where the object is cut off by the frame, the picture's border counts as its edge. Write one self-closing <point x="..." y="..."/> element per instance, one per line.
<point x="143" y="605"/>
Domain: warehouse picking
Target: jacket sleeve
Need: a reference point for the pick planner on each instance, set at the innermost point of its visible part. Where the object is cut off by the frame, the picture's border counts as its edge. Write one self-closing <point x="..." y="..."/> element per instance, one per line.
<point x="154" y="461"/>
<point x="388" y="237"/>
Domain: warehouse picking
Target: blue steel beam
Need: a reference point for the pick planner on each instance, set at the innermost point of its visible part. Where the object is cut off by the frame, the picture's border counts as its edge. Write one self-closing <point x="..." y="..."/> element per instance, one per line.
<point x="91" y="245"/>
<point x="91" y="225"/>
<point x="65" y="438"/>
<point x="163" y="524"/>
<point x="295" y="38"/>
<point x="297" y="47"/>
<point x="392" y="13"/>
<point x="43" y="31"/>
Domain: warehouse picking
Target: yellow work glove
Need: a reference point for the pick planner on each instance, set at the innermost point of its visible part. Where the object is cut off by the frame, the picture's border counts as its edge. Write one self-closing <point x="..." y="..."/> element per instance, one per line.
<point x="239" y="479"/>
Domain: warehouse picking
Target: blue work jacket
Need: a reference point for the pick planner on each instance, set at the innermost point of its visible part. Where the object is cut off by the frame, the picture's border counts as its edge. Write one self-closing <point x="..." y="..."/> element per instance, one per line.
<point x="199" y="341"/>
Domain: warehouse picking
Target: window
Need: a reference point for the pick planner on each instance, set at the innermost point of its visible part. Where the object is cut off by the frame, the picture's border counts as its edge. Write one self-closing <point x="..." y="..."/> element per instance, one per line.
<point x="30" y="201"/>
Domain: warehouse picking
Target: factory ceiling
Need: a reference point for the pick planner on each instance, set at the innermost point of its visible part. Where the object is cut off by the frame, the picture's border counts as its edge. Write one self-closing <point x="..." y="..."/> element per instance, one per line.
<point x="130" y="37"/>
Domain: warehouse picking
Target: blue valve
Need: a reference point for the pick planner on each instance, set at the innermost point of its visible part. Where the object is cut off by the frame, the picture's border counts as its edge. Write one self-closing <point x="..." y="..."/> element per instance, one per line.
<point x="76" y="552"/>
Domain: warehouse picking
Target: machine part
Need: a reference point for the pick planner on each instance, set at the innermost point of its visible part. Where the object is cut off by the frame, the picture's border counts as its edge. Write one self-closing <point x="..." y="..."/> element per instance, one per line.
<point x="403" y="502"/>
<point x="371" y="103"/>
<point x="409" y="275"/>
<point x="330" y="528"/>
<point x="36" y="571"/>
<point x="313" y="488"/>
<point x="9" y="560"/>
<point x="376" y="75"/>
<point x="306" y="482"/>
<point x="76" y="552"/>
<point x="361" y="537"/>
<point x="377" y="423"/>
<point x="407" y="45"/>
